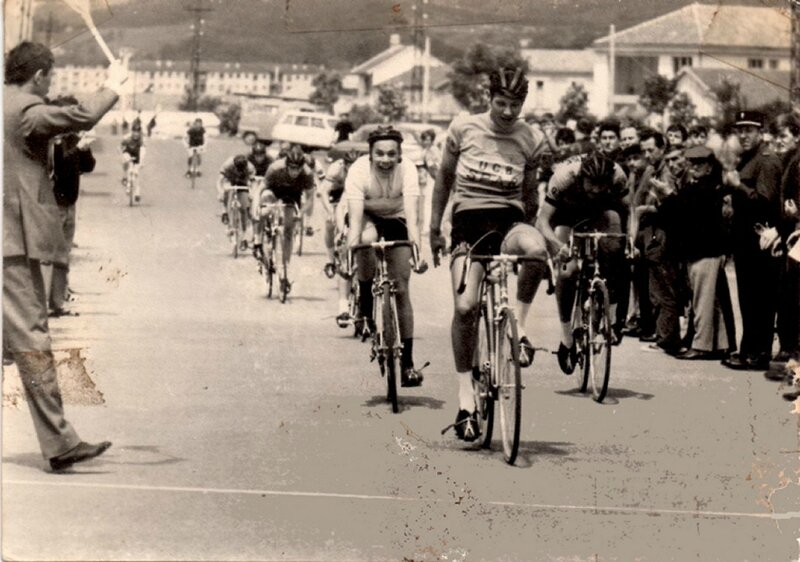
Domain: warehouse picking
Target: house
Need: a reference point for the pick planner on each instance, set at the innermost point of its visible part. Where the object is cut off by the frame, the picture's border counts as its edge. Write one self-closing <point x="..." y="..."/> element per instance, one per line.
<point x="442" y="106"/>
<point x="552" y="72"/>
<point x="755" y="87"/>
<point x="699" y="36"/>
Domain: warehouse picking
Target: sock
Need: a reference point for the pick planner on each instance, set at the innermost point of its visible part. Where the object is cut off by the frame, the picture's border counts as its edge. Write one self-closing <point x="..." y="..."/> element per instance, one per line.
<point x="466" y="396"/>
<point x="365" y="298"/>
<point x="407" y="353"/>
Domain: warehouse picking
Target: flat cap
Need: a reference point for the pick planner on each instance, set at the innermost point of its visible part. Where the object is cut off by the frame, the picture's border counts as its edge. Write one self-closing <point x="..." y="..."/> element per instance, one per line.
<point x="699" y="153"/>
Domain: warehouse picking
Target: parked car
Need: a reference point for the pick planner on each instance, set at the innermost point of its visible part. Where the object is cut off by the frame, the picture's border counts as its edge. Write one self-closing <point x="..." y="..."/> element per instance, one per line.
<point x="259" y="117"/>
<point x="412" y="147"/>
<point x="306" y="128"/>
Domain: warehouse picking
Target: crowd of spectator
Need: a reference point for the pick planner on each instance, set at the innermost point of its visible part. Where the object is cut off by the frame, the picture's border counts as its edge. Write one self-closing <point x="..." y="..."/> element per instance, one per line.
<point x="700" y="198"/>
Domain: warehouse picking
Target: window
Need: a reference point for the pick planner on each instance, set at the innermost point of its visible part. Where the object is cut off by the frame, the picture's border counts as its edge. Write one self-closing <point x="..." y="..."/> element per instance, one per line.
<point x="773" y="64"/>
<point x="755" y="63"/>
<point x="317" y="122"/>
<point x="680" y="62"/>
<point x="540" y="84"/>
<point x="302" y="121"/>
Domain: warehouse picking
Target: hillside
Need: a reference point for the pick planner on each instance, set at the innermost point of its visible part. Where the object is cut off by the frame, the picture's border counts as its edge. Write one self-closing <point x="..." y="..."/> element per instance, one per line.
<point x="327" y="31"/>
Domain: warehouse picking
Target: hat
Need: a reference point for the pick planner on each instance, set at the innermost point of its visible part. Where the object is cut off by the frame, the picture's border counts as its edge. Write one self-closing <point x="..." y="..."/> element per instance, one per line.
<point x="632" y="150"/>
<point x="754" y="118"/>
<point x="699" y="153"/>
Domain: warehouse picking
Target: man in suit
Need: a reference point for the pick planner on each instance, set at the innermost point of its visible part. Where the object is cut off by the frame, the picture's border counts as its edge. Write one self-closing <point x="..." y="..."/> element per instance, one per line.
<point x="32" y="234"/>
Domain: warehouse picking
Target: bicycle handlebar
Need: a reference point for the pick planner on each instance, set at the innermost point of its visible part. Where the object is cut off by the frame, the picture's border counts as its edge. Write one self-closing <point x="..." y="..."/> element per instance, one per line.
<point x="496" y="259"/>
<point x="418" y="264"/>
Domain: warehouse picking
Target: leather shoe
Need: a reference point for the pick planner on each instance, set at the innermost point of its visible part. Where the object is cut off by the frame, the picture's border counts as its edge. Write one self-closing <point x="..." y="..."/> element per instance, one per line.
<point x="745" y="363"/>
<point x="648" y="338"/>
<point x="81" y="452"/>
<point x="699" y="355"/>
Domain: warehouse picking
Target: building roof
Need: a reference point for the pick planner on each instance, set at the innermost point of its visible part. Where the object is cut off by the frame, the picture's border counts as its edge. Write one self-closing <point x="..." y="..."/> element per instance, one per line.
<point x="383" y="56"/>
<point x="702" y="25"/>
<point x="755" y="87"/>
<point x="438" y="75"/>
<point x="226" y="67"/>
<point x="559" y="61"/>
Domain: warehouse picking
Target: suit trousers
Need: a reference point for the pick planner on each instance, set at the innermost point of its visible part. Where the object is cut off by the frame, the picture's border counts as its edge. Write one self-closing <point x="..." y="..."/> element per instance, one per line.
<point x="665" y="281"/>
<point x="59" y="281"/>
<point x="26" y="338"/>
<point x="789" y="309"/>
<point x="710" y="331"/>
<point x="757" y="280"/>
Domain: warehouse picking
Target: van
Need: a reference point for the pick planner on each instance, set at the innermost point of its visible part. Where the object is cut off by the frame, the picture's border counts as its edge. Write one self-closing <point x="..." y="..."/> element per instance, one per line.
<point x="307" y="128"/>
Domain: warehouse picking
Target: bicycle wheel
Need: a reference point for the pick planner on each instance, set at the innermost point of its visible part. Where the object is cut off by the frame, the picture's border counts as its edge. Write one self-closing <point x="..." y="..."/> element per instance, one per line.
<point x="300" y="228"/>
<point x="235" y="219"/>
<point x="580" y="336"/>
<point x="509" y="385"/>
<point x="390" y="345"/>
<point x="482" y="378"/>
<point x="282" y="267"/>
<point x="599" y="340"/>
<point x="269" y="264"/>
<point x="352" y="306"/>
<point x="131" y="187"/>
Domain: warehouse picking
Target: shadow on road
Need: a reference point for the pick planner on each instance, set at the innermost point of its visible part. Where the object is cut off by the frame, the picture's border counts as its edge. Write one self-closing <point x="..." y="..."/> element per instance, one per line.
<point x="35" y="460"/>
<point x="407" y="402"/>
<point x="613" y="396"/>
<point x="530" y="450"/>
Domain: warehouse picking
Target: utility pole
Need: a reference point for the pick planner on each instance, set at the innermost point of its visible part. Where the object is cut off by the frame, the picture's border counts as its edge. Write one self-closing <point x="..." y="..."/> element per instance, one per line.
<point x="197" y="28"/>
<point x="794" y="85"/>
<point x="417" y="42"/>
<point x="49" y="30"/>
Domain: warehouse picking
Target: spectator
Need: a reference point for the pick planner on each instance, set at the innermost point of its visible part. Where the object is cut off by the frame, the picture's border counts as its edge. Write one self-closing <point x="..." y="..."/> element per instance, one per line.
<point x="72" y="156"/>
<point x="583" y="131"/>
<point x="31" y="234"/>
<point x="698" y="136"/>
<point x="136" y="124"/>
<point x="628" y="136"/>
<point x="344" y="128"/>
<point x="698" y="233"/>
<point x="676" y="135"/>
<point x="756" y="193"/>
<point x="151" y="125"/>
<point x="608" y="138"/>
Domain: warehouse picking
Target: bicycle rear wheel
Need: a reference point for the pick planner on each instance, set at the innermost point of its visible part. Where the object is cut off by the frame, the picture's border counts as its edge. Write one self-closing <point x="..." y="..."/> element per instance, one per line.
<point x="509" y="386"/>
<point x="482" y="378"/>
<point x="599" y="340"/>
<point x="391" y="346"/>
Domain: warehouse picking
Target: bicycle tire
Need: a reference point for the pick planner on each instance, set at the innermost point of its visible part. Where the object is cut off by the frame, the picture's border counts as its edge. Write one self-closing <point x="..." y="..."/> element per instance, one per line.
<point x="300" y="226"/>
<point x="390" y="345"/>
<point x="234" y="218"/>
<point x="580" y="337"/>
<point x="352" y="305"/>
<point x="509" y="385"/>
<point x="131" y="187"/>
<point x="482" y="378"/>
<point x="269" y="265"/>
<point x="280" y="261"/>
<point x="599" y="340"/>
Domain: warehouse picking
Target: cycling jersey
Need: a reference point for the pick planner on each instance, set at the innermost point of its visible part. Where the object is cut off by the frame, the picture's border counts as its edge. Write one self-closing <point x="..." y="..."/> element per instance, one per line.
<point x="491" y="164"/>
<point x="260" y="167"/>
<point x="196" y="136"/>
<point x="288" y="189"/>
<point x="336" y="175"/>
<point x="236" y="177"/>
<point x="133" y="148"/>
<point x="565" y="191"/>
<point x="401" y="185"/>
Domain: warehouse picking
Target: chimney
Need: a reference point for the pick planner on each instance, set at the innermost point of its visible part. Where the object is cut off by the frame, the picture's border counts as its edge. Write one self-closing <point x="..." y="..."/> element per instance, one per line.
<point x="524" y="43"/>
<point x="394" y="39"/>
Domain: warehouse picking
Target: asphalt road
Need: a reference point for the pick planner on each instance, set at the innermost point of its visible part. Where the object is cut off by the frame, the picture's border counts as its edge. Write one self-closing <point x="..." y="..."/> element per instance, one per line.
<point x="245" y="429"/>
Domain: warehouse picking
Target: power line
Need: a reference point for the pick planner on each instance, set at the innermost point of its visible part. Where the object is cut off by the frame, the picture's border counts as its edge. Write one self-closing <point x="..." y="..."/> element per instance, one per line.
<point x="197" y="27"/>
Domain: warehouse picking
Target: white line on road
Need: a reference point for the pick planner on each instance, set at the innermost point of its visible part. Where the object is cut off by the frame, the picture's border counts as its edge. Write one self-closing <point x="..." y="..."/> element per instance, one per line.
<point x="290" y="493"/>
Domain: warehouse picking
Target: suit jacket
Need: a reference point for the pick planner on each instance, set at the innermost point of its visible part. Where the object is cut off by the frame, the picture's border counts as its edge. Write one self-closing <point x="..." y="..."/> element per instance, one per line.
<point x="30" y="214"/>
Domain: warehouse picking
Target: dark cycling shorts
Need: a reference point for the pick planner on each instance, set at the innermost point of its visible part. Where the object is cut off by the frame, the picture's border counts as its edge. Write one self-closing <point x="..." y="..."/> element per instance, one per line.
<point x="483" y="229"/>
<point x="572" y="216"/>
<point x="389" y="229"/>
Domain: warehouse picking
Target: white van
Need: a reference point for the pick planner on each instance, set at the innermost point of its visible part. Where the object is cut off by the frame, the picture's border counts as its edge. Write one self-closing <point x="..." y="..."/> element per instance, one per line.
<point x="305" y="127"/>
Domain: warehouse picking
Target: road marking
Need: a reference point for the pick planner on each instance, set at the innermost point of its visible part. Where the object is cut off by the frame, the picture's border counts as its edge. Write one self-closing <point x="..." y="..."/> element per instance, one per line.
<point x="334" y="495"/>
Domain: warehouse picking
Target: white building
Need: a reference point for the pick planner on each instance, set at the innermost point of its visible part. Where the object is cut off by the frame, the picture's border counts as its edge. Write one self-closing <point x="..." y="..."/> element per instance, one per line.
<point x="697" y="36"/>
<point x="552" y="72"/>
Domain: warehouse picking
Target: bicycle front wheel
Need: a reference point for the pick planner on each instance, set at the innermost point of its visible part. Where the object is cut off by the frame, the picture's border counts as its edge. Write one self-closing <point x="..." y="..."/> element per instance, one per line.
<point x="391" y="346"/>
<point x="269" y="264"/>
<point x="283" y="268"/>
<point x="301" y="227"/>
<point x="352" y="307"/>
<point x="482" y="378"/>
<point x="599" y="340"/>
<point x="509" y="385"/>
<point x="131" y="188"/>
<point x="581" y="337"/>
<point x="235" y="219"/>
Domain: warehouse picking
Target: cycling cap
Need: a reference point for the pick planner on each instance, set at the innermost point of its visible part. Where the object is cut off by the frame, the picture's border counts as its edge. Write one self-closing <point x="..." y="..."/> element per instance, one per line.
<point x="295" y="157"/>
<point x="597" y="167"/>
<point x="240" y="162"/>
<point x="350" y="156"/>
<point x="384" y="132"/>
<point x="508" y="82"/>
<point x="259" y="148"/>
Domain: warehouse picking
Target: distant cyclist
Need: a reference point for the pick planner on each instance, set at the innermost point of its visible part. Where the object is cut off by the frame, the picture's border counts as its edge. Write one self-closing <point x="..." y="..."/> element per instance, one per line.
<point x="489" y="168"/>
<point x="235" y="178"/>
<point x="331" y="190"/>
<point x="259" y="159"/>
<point x="588" y="191"/>
<point x="133" y="152"/>
<point x="287" y="180"/>
<point x="382" y="194"/>
<point x="195" y="142"/>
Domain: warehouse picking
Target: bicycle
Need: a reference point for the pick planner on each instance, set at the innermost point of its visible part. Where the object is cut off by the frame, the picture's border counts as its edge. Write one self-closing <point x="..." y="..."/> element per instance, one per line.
<point x="273" y="250"/>
<point x="386" y="345"/>
<point x="132" y="183"/>
<point x="234" y="210"/>
<point x="194" y="166"/>
<point x="496" y="371"/>
<point x="591" y="314"/>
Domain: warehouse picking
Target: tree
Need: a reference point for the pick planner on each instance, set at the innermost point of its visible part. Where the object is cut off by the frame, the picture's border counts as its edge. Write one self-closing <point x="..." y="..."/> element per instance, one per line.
<point x="229" y="116"/>
<point x="327" y="86"/>
<point x="658" y="91"/>
<point x="682" y="110"/>
<point x="205" y="103"/>
<point x="729" y="99"/>
<point x="469" y="78"/>
<point x="391" y="103"/>
<point x="362" y="114"/>
<point x="574" y="103"/>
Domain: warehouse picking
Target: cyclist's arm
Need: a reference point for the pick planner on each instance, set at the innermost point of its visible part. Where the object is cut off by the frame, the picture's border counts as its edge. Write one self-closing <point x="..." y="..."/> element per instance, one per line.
<point x="445" y="178"/>
<point x="530" y="195"/>
<point x="411" y="199"/>
<point x="355" y="208"/>
<point x="324" y="190"/>
<point x="544" y="225"/>
<point x="222" y="184"/>
<point x="142" y="152"/>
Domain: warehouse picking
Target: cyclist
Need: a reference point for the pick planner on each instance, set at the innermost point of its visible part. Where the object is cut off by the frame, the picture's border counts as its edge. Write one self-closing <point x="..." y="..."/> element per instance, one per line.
<point x="236" y="174"/>
<point x="331" y="190"/>
<point x="590" y="191"/>
<point x="259" y="159"/>
<point x="489" y="163"/>
<point x="382" y="194"/>
<point x="195" y="142"/>
<point x="133" y="152"/>
<point x="287" y="179"/>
